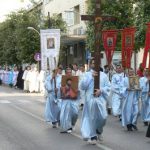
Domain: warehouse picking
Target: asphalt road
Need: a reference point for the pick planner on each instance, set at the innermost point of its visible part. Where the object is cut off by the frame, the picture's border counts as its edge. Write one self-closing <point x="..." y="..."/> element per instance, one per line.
<point x="22" y="127"/>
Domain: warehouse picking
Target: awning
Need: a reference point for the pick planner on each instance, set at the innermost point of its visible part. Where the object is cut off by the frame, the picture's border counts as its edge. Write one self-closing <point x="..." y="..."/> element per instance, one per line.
<point x="70" y="39"/>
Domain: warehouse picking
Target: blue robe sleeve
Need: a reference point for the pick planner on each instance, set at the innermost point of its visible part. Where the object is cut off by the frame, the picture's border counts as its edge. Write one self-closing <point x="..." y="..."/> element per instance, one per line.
<point x="106" y="87"/>
<point x="84" y="84"/>
<point x="48" y="85"/>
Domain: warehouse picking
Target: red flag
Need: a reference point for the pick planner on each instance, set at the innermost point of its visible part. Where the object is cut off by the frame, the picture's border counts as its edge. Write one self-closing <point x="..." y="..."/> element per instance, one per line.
<point x="109" y="42"/>
<point x="127" y="46"/>
<point x="147" y="46"/>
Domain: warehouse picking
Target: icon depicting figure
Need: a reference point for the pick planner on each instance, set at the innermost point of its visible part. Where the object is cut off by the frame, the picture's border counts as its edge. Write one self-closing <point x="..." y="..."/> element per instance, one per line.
<point x="50" y="43"/>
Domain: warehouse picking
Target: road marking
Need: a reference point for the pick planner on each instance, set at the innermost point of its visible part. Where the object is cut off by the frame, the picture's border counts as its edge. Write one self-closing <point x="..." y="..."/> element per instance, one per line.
<point x="24" y="101"/>
<point x="27" y="112"/>
<point x="5" y="102"/>
<point x="74" y="134"/>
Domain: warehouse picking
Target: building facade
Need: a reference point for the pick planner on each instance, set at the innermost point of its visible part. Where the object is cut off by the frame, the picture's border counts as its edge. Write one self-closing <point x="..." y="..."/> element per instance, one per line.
<point x="74" y="40"/>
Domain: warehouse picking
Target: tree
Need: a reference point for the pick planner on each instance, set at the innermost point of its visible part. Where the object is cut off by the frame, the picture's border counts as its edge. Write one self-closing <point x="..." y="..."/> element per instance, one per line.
<point x="142" y="16"/>
<point x="123" y="10"/>
<point x="17" y="44"/>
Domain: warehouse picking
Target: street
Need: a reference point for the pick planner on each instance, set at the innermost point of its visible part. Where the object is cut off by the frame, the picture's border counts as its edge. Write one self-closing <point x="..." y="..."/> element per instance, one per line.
<point x="22" y="127"/>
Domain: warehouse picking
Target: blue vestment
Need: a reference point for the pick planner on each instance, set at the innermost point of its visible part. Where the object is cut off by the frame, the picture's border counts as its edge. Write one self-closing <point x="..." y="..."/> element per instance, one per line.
<point x="117" y="85"/>
<point x="130" y="108"/>
<point x="53" y="104"/>
<point x="94" y="112"/>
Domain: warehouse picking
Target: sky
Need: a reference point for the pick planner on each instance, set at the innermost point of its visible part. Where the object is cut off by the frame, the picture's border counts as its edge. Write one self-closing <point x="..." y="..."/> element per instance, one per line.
<point x="6" y="6"/>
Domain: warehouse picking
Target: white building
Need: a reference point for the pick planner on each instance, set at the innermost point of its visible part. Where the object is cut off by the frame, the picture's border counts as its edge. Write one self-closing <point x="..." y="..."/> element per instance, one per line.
<point x="74" y="41"/>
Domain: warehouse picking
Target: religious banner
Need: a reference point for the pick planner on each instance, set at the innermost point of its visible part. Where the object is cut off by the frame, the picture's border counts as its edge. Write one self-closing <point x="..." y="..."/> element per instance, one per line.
<point x="109" y="41"/>
<point x="147" y="47"/>
<point x="127" y="46"/>
<point x="50" y="47"/>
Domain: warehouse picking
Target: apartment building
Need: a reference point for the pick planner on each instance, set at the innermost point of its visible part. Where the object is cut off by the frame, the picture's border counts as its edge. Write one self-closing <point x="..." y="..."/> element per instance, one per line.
<point x="74" y="40"/>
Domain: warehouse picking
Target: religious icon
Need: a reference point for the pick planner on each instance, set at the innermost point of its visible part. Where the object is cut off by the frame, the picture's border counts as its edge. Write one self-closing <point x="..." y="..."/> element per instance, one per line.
<point x="69" y="87"/>
<point x="50" y="43"/>
<point x="109" y="41"/>
<point x="128" y="40"/>
<point x="134" y="82"/>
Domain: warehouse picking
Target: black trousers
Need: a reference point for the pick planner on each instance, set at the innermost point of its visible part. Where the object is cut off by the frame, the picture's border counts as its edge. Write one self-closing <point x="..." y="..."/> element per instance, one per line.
<point x="148" y="131"/>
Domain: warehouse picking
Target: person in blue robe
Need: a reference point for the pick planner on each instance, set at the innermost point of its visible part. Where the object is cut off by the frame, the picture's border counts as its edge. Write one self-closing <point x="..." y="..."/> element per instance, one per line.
<point x="145" y="97"/>
<point x="69" y="109"/>
<point x="130" y="108"/>
<point x="53" y="103"/>
<point x="117" y="85"/>
<point x="94" y="111"/>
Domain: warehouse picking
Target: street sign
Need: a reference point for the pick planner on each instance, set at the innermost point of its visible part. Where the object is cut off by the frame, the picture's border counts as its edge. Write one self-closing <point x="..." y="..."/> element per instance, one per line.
<point x="37" y="56"/>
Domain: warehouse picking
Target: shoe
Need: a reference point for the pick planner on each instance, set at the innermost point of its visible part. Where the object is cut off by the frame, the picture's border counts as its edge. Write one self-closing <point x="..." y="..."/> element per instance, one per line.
<point x="145" y="123"/>
<point x="63" y="131"/>
<point x="129" y="127"/>
<point x="69" y="130"/>
<point x="120" y="119"/>
<point x="134" y="127"/>
<point x="109" y="111"/>
<point x="54" y="125"/>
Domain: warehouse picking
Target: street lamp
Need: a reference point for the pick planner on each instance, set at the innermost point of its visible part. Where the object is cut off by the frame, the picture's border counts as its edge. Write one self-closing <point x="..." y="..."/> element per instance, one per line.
<point x="31" y="28"/>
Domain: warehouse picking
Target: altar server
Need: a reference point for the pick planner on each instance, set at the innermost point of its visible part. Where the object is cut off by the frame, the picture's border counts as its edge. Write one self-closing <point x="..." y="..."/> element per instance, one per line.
<point x="130" y="104"/>
<point x="94" y="112"/>
<point x="52" y="109"/>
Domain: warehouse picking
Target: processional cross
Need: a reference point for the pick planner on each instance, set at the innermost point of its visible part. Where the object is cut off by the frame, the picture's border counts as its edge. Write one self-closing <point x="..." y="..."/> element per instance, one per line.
<point x="97" y="19"/>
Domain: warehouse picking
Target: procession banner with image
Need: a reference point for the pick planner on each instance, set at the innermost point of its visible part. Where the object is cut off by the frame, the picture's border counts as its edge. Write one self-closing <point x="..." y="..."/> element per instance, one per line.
<point x="127" y="46"/>
<point x="109" y="41"/>
<point x="147" y="47"/>
<point x="50" y="47"/>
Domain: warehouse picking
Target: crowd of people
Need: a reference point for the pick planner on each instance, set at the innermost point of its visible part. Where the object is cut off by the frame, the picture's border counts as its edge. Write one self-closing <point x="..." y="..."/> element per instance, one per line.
<point x="115" y="96"/>
<point x="30" y="79"/>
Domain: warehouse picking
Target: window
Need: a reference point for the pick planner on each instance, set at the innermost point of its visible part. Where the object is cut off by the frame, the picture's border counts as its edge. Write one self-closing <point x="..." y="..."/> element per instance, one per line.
<point x="77" y="14"/>
<point x="69" y="18"/>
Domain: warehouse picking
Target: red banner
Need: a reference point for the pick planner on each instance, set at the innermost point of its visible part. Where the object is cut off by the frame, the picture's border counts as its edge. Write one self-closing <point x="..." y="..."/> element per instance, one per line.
<point x="109" y="42"/>
<point x="147" y="46"/>
<point x="127" y="46"/>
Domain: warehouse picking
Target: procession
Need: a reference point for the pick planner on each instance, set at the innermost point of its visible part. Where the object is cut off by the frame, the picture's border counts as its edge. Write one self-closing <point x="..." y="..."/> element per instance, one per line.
<point x="126" y="99"/>
<point x="77" y="74"/>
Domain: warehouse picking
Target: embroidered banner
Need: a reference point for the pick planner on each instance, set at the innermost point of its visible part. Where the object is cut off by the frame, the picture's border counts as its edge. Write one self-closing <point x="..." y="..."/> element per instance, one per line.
<point x="147" y="47"/>
<point x="127" y="46"/>
<point x="50" y="47"/>
<point x="109" y="41"/>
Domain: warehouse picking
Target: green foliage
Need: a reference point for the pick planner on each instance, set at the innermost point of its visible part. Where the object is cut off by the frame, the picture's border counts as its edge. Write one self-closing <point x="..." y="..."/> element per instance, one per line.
<point x="56" y="22"/>
<point x="142" y="16"/>
<point x="18" y="44"/>
<point x="128" y="13"/>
